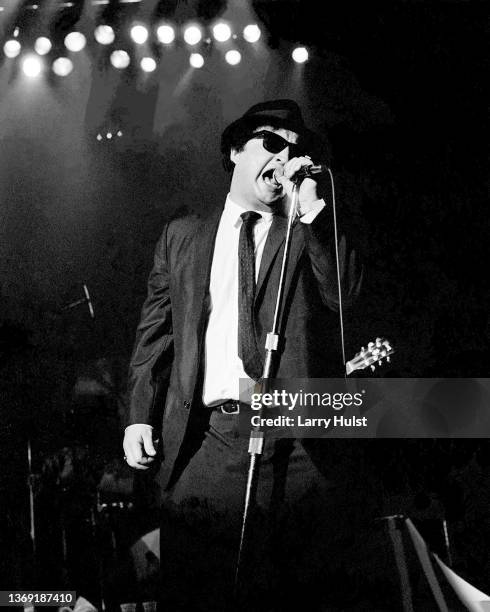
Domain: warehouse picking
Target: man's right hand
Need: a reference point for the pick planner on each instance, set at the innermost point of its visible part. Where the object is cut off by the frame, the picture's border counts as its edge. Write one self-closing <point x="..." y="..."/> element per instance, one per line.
<point x="138" y="446"/>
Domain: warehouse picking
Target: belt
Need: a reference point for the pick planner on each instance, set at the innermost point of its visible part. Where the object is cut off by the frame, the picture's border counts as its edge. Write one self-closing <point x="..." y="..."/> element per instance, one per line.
<point x="230" y="407"/>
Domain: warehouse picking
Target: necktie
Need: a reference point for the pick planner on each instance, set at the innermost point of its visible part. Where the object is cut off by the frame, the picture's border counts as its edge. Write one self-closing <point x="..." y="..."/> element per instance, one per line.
<point x="247" y="342"/>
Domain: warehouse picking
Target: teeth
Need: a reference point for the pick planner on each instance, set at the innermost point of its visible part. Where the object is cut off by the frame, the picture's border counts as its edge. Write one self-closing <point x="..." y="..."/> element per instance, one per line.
<point x="271" y="183"/>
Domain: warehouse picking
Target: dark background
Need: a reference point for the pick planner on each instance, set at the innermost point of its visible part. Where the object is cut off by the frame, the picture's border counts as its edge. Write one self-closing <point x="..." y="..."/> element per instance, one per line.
<point x="399" y="91"/>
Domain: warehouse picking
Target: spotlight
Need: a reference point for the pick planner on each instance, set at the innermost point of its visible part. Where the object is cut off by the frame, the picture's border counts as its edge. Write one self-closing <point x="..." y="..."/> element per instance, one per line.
<point x="300" y="55"/>
<point x="120" y="59"/>
<point x="221" y="32"/>
<point x="233" y="57"/>
<point x="139" y="34"/>
<point x="119" y="134"/>
<point x="75" y="41"/>
<point x="31" y="66"/>
<point x="148" y="64"/>
<point x="62" y="66"/>
<point x="12" y="48"/>
<point x="104" y="35"/>
<point x="251" y="33"/>
<point x="109" y="135"/>
<point x="192" y="35"/>
<point x="196" y="60"/>
<point x="42" y="45"/>
<point x="165" y="34"/>
<point x="99" y="137"/>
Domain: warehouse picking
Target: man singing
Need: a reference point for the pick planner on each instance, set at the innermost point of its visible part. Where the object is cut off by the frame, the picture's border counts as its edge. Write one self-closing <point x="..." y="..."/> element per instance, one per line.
<point x="210" y="304"/>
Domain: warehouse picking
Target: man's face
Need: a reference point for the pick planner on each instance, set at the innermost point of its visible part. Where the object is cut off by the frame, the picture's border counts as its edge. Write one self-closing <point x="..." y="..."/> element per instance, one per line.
<point x="251" y="184"/>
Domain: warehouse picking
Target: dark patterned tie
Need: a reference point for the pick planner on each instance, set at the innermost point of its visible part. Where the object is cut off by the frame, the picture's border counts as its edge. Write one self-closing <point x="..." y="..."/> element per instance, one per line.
<point x="247" y="342"/>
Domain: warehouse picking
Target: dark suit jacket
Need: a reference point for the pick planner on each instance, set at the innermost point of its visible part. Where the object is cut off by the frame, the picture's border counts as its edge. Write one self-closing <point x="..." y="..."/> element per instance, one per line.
<point x="164" y="382"/>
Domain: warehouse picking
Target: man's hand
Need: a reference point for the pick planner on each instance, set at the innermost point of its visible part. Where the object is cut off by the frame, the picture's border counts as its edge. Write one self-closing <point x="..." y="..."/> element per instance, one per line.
<point x="308" y="188"/>
<point x="138" y="446"/>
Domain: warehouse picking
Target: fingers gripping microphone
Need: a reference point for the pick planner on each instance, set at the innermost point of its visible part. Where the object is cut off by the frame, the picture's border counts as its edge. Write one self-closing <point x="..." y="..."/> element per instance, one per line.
<point x="305" y="172"/>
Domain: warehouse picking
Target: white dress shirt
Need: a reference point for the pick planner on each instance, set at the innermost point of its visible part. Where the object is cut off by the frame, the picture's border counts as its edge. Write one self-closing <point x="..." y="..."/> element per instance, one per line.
<point x="222" y="366"/>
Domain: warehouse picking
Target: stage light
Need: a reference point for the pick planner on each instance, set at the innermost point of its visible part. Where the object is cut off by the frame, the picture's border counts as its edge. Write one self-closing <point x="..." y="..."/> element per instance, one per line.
<point x="251" y="33"/>
<point x="196" y="60"/>
<point x="75" y="41"/>
<point x="99" y="137"/>
<point x="31" y="66"/>
<point x="221" y="32"/>
<point x="109" y="135"/>
<point x="165" y="34"/>
<point x="139" y="34"/>
<point x="42" y="45"/>
<point x="104" y="35"/>
<point x="300" y="55"/>
<point x="233" y="57"/>
<point x="120" y="59"/>
<point x="148" y="64"/>
<point x="62" y="66"/>
<point x="192" y="35"/>
<point x="119" y="133"/>
<point x="12" y="48"/>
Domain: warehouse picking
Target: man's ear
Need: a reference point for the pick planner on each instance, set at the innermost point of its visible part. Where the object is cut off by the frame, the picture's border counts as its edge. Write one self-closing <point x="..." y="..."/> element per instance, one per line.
<point x="234" y="155"/>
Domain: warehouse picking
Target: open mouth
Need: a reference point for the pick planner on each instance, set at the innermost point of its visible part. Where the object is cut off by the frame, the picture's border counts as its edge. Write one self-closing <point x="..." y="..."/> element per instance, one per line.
<point x="268" y="178"/>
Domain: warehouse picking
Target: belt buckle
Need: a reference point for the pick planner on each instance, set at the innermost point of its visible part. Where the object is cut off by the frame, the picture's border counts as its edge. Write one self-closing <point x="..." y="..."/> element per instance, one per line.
<point x="235" y="411"/>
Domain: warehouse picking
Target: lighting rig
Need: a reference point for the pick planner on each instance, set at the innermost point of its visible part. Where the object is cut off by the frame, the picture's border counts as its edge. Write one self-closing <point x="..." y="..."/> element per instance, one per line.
<point x="49" y="36"/>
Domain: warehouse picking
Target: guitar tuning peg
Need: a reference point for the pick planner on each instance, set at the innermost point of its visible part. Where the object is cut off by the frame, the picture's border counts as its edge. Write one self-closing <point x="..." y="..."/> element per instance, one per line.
<point x="370" y="345"/>
<point x="378" y="341"/>
<point x="388" y="359"/>
<point x="380" y="362"/>
<point x="373" y="367"/>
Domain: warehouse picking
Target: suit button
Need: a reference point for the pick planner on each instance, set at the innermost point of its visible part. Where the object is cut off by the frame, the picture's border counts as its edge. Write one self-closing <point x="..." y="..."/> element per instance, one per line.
<point x="187" y="405"/>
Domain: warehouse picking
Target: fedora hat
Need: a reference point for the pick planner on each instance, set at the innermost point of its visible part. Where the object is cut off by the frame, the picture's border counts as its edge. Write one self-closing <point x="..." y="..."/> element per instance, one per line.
<point x="276" y="113"/>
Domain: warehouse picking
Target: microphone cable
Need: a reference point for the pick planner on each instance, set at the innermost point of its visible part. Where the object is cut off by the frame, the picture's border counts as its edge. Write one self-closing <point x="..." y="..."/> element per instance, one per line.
<point x="337" y="261"/>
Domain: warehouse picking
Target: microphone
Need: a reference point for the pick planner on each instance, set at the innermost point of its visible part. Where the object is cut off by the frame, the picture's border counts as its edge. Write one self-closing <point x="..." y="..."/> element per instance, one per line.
<point x="306" y="171"/>
<point x="90" y="307"/>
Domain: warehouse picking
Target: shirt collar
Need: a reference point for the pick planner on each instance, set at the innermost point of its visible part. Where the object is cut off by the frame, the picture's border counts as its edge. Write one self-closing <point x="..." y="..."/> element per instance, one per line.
<point x="233" y="212"/>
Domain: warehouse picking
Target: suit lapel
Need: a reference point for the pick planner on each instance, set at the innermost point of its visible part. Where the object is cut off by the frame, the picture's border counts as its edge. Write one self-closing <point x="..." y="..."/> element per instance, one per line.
<point x="272" y="250"/>
<point x="203" y="247"/>
<point x="201" y="265"/>
<point x="275" y="239"/>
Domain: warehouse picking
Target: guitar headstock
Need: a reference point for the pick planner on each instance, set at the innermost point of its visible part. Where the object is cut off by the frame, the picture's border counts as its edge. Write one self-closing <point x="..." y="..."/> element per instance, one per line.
<point x="371" y="356"/>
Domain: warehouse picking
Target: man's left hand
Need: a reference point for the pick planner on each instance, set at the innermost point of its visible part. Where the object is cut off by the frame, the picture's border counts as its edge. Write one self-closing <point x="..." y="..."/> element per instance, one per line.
<point x="308" y="187"/>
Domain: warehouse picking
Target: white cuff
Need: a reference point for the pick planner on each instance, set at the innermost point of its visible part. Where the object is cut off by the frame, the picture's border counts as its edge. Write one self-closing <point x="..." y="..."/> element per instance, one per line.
<point x="310" y="211"/>
<point x="138" y="425"/>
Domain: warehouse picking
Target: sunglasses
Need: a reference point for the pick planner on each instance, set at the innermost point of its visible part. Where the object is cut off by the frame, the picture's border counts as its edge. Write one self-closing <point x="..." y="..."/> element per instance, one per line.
<point x="274" y="143"/>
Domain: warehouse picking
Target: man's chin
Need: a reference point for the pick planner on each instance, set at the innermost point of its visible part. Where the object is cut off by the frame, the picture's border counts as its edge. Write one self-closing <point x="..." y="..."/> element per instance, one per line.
<point x="269" y="198"/>
<point x="271" y="204"/>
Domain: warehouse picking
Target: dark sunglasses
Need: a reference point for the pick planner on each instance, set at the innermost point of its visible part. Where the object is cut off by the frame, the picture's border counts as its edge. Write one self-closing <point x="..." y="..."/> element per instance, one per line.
<point x="274" y="143"/>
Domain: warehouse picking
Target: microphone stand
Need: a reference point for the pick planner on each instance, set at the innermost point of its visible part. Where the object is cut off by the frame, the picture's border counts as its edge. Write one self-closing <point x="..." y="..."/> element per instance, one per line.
<point x="257" y="434"/>
<point x="32" y="516"/>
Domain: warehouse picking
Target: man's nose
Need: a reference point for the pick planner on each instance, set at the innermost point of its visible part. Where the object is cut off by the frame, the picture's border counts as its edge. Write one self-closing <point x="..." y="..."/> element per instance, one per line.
<point x="283" y="156"/>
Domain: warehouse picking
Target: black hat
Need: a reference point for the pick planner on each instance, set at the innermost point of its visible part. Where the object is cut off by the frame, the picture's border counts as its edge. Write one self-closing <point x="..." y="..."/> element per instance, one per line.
<point x="276" y="113"/>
